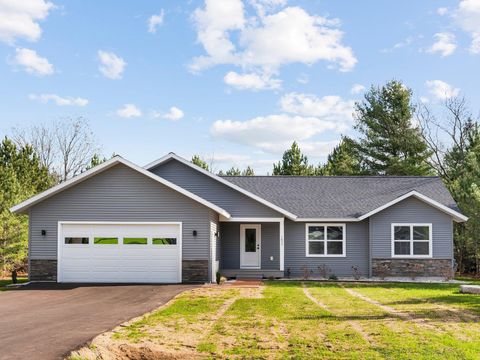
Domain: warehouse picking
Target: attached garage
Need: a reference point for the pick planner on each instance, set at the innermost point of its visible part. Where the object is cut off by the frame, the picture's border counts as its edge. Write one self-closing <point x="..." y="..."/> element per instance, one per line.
<point x="119" y="252"/>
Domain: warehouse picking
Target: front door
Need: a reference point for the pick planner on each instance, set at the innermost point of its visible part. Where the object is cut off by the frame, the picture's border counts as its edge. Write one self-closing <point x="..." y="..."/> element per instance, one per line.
<point x="250" y="246"/>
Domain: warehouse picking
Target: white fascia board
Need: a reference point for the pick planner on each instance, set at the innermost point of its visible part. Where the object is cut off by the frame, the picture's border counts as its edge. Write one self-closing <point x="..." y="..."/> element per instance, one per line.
<point x="458" y="217"/>
<point x="327" y="220"/>
<point x="104" y="166"/>
<point x="221" y="180"/>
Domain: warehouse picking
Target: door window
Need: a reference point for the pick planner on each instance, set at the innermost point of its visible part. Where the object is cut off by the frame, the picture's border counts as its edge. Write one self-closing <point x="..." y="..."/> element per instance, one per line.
<point x="250" y="240"/>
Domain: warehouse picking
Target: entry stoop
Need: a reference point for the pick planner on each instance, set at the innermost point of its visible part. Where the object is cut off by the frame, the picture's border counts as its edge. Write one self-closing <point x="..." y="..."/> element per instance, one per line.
<point x="249" y="276"/>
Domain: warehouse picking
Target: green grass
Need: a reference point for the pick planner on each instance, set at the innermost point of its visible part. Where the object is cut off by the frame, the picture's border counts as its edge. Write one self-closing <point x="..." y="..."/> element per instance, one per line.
<point x="468" y="279"/>
<point x="285" y="323"/>
<point x="5" y="282"/>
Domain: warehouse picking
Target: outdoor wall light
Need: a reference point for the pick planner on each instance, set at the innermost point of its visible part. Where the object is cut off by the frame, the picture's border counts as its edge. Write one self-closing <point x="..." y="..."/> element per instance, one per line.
<point x="194" y="232"/>
<point x="44" y="232"/>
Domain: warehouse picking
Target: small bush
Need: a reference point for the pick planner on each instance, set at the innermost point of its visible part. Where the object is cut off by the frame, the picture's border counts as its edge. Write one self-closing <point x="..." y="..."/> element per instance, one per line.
<point x="323" y="270"/>
<point x="218" y="277"/>
<point x="333" y="277"/>
<point x="306" y="272"/>
<point x="356" y="272"/>
<point x="383" y="270"/>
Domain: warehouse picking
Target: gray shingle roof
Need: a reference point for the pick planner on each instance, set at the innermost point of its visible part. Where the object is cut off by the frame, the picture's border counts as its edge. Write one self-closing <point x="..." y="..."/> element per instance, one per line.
<point x="339" y="196"/>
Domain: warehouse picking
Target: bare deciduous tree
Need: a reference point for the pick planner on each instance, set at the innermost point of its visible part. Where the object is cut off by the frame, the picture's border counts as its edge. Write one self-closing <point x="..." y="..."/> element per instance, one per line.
<point x="442" y="135"/>
<point x="66" y="147"/>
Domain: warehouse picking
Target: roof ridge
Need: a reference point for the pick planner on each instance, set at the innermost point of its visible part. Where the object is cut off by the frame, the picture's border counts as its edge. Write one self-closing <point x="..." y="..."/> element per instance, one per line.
<point x="336" y="176"/>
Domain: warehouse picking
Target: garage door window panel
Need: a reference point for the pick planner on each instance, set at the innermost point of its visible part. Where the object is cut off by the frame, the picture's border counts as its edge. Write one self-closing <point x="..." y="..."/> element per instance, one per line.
<point x="76" y="240"/>
<point x="135" y="241"/>
<point x="105" y="241"/>
<point x="164" y="241"/>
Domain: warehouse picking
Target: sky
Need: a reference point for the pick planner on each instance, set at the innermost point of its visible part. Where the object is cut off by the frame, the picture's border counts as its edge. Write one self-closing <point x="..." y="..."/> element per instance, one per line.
<point x="233" y="81"/>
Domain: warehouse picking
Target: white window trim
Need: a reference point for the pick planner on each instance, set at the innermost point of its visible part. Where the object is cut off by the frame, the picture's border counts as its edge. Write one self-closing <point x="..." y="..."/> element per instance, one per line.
<point x="412" y="256"/>
<point x="344" y="240"/>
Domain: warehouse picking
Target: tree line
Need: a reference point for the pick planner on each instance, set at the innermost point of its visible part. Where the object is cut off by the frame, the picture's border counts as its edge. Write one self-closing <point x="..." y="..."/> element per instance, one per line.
<point x="395" y="136"/>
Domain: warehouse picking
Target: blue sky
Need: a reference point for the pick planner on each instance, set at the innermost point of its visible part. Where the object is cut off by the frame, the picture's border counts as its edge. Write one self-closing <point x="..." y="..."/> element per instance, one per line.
<point x="232" y="80"/>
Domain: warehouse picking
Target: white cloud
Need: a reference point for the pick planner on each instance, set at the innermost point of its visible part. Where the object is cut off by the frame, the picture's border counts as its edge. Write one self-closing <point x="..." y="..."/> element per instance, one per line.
<point x="32" y="62"/>
<point x="303" y="79"/>
<point x="19" y="19"/>
<point x="267" y="41"/>
<point x="357" y="89"/>
<point x="444" y="44"/>
<point x="174" y="114"/>
<point x="424" y="100"/>
<point x="251" y="81"/>
<point x="60" y="101"/>
<point x="442" y="11"/>
<point x="467" y="16"/>
<point x="442" y="90"/>
<point x="214" y="23"/>
<point x="328" y="108"/>
<point x="111" y="65"/>
<point x="155" y="21"/>
<point x="129" y="111"/>
<point x="231" y="158"/>
<point x="272" y="133"/>
<point x="401" y="44"/>
<point x="266" y="6"/>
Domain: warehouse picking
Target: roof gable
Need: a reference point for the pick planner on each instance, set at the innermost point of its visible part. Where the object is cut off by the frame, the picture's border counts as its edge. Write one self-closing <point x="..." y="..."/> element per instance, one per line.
<point x="259" y="199"/>
<point x="23" y="206"/>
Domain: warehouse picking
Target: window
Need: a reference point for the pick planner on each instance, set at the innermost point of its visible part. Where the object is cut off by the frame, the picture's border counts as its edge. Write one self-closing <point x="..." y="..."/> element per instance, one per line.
<point x="105" y="240"/>
<point x="325" y="240"/>
<point x="411" y="240"/>
<point x="135" y="241"/>
<point x="164" y="241"/>
<point x="76" y="240"/>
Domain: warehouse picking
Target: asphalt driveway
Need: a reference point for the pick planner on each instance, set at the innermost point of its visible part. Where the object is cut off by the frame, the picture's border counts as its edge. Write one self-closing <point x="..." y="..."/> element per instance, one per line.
<point x="47" y="321"/>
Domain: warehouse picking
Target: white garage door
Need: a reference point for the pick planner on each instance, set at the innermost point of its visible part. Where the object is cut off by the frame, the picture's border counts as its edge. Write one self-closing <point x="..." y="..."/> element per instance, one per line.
<point x="119" y="252"/>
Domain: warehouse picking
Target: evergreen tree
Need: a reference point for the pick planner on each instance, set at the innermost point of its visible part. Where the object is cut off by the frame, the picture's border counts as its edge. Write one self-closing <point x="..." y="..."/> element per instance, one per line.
<point x="248" y="172"/>
<point x="21" y="176"/>
<point x="390" y="144"/>
<point x="293" y="163"/>
<point x="197" y="160"/>
<point x="463" y="168"/>
<point x="96" y="160"/>
<point x="343" y="160"/>
<point x="233" y="171"/>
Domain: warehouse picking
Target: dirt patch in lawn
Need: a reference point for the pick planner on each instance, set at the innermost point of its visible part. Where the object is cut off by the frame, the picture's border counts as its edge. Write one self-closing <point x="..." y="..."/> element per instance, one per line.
<point x="167" y="336"/>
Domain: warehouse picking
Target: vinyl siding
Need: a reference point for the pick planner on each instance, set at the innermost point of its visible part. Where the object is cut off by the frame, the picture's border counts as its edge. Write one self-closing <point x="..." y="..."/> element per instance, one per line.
<point x="230" y="245"/>
<point x="237" y="204"/>
<point x="120" y="194"/>
<point x="411" y="210"/>
<point x="357" y="251"/>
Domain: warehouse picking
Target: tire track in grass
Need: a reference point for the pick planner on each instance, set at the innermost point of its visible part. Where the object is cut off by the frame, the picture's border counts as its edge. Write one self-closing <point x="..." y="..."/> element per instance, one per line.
<point x="400" y="314"/>
<point x="354" y="324"/>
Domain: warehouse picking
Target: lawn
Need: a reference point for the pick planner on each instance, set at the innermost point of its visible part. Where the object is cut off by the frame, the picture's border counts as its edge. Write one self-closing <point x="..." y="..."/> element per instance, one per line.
<point x="311" y="320"/>
<point x="5" y="282"/>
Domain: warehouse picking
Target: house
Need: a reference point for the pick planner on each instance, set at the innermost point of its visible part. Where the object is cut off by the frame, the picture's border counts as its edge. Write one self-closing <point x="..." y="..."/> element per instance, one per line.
<point x="172" y="221"/>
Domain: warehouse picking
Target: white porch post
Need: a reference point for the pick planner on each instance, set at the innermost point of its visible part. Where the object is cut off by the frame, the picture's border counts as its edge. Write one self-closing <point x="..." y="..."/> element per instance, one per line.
<point x="282" y="244"/>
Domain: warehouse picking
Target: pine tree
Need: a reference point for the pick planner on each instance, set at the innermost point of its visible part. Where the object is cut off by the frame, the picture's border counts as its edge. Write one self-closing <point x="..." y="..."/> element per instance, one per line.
<point x="293" y="163"/>
<point x="197" y="160"/>
<point x="21" y="176"/>
<point x="343" y="160"/>
<point x="390" y="144"/>
<point x="248" y="172"/>
<point x="463" y="167"/>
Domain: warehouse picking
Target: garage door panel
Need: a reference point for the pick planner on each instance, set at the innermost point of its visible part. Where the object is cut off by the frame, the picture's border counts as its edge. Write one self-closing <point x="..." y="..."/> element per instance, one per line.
<point x="120" y="262"/>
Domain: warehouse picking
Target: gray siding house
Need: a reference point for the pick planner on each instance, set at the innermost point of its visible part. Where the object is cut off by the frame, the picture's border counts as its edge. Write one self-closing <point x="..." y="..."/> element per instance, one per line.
<point x="171" y="222"/>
